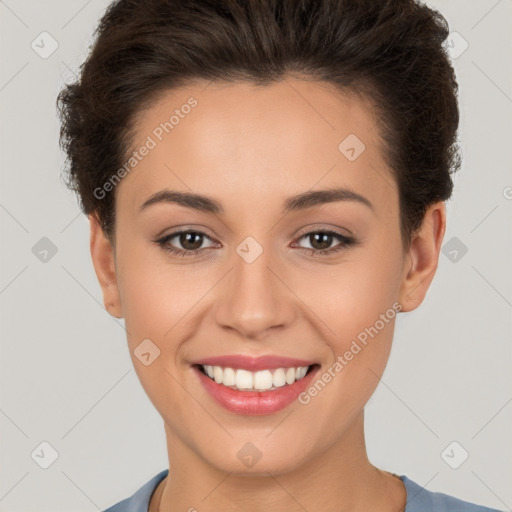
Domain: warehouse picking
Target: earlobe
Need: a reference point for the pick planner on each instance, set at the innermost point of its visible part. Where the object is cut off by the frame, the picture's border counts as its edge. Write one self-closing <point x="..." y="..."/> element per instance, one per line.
<point x="103" y="259"/>
<point x="423" y="256"/>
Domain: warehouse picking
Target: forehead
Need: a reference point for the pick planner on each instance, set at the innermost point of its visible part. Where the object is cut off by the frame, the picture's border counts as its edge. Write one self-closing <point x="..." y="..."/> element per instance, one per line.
<point x="225" y="138"/>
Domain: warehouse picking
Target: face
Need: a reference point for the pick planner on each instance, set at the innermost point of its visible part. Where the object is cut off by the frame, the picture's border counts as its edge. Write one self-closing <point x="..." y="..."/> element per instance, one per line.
<point x="264" y="266"/>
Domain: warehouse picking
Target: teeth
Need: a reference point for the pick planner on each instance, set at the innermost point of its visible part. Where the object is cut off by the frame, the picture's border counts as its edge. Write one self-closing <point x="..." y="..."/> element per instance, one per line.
<point x="229" y="377"/>
<point x="217" y="374"/>
<point x="279" y="378"/>
<point x="209" y="370"/>
<point x="243" y="379"/>
<point x="263" y="380"/>
<point x="290" y="376"/>
<point x="255" y="381"/>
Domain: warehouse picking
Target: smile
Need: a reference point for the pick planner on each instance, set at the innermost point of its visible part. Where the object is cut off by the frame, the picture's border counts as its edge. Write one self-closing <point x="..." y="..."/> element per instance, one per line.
<point x="263" y="380"/>
<point x="246" y="385"/>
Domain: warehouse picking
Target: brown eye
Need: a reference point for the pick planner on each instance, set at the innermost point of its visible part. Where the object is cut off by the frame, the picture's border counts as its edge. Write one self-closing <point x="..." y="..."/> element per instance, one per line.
<point x="321" y="242"/>
<point x="189" y="242"/>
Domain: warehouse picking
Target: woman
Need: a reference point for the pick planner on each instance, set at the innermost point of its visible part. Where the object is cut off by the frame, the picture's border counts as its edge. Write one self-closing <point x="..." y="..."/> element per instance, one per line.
<point x="265" y="184"/>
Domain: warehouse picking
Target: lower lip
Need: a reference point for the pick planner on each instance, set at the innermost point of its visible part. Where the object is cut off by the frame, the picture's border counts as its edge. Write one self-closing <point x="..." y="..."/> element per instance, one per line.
<point x="255" y="402"/>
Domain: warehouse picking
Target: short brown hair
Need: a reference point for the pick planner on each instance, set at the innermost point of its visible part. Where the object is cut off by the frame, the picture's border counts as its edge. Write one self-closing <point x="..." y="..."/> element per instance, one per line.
<point x="391" y="51"/>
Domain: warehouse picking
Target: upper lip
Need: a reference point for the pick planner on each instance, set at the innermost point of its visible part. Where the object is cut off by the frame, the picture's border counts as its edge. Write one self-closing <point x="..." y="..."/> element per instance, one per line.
<point x="245" y="362"/>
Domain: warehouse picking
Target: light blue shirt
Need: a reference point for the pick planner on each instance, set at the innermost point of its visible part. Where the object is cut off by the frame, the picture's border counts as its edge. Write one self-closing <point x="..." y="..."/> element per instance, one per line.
<point x="419" y="499"/>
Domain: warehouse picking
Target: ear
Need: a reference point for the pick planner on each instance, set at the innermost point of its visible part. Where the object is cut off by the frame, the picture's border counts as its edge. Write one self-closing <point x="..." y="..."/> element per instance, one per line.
<point x="422" y="258"/>
<point x="103" y="259"/>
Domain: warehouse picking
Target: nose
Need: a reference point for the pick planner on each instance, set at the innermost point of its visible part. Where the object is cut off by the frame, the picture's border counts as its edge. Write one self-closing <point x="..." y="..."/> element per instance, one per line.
<point x="254" y="298"/>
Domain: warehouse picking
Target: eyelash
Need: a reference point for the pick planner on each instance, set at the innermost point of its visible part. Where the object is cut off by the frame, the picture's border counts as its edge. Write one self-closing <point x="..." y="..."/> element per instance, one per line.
<point x="346" y="242"/>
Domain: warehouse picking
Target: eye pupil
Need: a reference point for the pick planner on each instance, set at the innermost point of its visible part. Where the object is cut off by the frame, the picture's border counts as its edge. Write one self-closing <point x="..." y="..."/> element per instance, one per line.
<point x="185" y="240"/>
<point x="324" y="239"/>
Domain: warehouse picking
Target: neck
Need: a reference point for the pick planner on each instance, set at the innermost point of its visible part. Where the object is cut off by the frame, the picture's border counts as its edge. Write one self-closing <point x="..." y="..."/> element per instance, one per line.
<point x="339" y="479"/>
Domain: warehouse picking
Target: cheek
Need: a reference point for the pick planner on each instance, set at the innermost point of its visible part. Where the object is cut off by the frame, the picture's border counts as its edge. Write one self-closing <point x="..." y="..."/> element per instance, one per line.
<point x="357" y="303"/>
<point x="155" y="310"/>
<point x="351" y="296"/>
<point x="156" y="295"/>
<point x="359" y="311"/>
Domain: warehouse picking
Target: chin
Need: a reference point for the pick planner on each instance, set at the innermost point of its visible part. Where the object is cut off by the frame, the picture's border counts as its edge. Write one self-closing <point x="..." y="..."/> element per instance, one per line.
<point x="254" y="458"/>
<point x="277" y="464"/>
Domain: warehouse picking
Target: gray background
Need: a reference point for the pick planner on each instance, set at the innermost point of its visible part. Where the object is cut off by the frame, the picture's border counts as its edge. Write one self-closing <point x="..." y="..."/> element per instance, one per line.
<point x="65" y="373"/>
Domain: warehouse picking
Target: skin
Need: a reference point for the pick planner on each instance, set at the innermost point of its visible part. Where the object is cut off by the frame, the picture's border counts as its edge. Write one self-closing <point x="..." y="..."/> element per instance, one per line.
<point x="250" y="148"/>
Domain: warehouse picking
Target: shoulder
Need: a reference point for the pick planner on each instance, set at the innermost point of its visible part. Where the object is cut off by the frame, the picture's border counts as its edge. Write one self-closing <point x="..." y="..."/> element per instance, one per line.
<point x="139" y="501"/>
<point x="420" y="499"/>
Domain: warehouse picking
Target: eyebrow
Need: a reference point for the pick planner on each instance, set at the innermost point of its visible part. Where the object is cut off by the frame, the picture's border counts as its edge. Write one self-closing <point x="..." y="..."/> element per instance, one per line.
<point x="295" y="203"/>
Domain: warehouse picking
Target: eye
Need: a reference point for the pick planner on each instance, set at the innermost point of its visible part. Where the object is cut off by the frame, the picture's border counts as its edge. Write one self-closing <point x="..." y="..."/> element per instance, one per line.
<point x="321" y="241"/>
<point x="190" y="240"/>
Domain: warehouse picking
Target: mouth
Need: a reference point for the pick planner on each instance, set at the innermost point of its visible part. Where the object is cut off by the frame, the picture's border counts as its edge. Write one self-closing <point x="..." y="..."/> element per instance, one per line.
<point x="254" y="389"/>
<point x="255" y="381"/>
